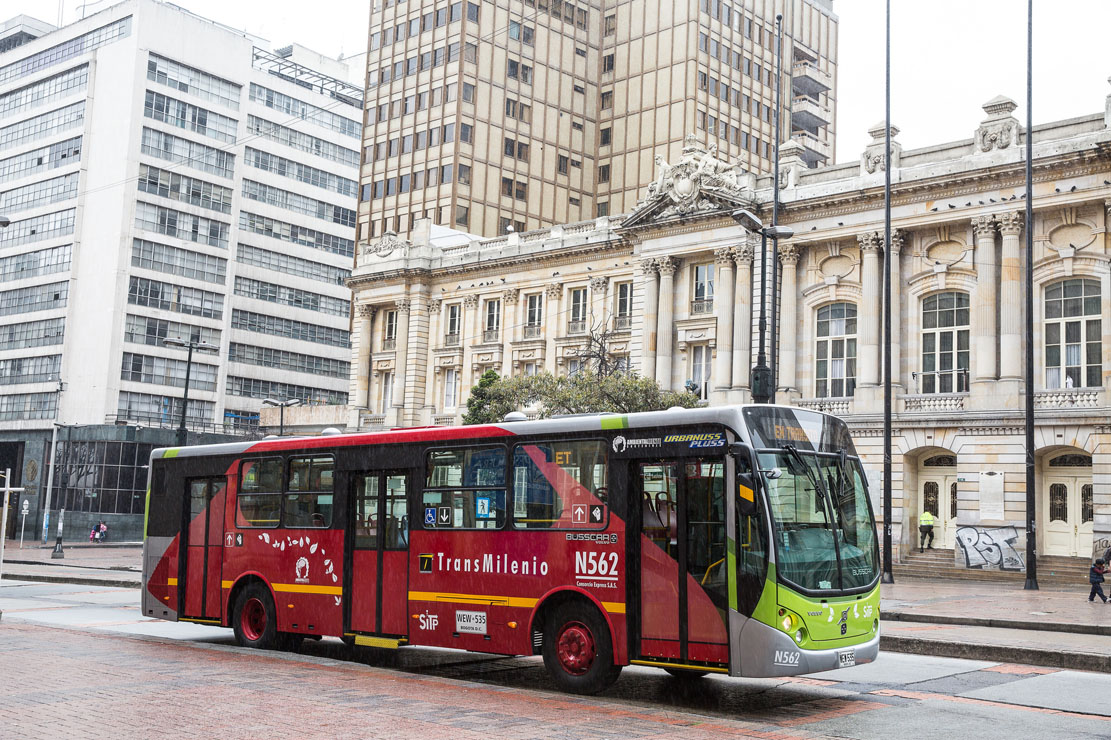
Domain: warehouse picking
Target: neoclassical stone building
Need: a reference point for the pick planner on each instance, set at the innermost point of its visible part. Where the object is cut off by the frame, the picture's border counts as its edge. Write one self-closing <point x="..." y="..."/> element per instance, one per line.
<point x="677" y="283"/>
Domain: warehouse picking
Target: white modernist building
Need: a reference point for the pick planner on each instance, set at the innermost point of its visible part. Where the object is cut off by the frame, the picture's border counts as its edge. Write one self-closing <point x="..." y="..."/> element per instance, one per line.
<point x="166" y="177"/>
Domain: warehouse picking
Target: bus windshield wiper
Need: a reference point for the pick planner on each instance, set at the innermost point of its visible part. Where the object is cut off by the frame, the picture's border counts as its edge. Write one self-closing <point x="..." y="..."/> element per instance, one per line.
<point x="820" y="488"/>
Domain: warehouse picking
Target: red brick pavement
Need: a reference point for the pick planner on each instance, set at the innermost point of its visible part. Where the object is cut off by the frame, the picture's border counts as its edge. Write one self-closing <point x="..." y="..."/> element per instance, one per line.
<point x="64" y="683"/>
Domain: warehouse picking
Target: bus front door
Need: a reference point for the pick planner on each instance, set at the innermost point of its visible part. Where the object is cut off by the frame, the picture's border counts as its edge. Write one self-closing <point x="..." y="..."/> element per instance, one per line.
<point x="380" y="554"/>
<point x="684" y="588"/>
<point x="204" y="550"/>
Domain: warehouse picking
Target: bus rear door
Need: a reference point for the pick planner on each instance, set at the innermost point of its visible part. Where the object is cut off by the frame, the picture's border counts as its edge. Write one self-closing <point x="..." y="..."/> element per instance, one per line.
<point x="683" y="575"/>
<point x="204" y="549"/>
<point x="380" y="553"/>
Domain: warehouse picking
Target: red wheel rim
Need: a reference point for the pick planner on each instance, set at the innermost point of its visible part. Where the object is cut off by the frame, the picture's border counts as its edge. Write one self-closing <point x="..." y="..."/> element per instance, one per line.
<point x="253" y="619"/>
<point x="575" y="648"/>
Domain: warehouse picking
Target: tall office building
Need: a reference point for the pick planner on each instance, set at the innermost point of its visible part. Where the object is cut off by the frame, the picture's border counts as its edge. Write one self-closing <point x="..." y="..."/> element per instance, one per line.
<point x="491" y="116"/>
<point x="166" y="177"/>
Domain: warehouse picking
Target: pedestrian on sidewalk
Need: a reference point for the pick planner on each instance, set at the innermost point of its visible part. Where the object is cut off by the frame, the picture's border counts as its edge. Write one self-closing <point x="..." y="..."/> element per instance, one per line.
<point x="1095" y="577"/>
<point x="94" y="533"/>
<point x="926" y="527"/>
<point x="101" y="532"/>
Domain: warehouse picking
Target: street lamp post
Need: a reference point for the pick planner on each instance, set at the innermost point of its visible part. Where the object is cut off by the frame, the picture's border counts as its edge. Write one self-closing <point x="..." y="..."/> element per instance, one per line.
<point x="762" y="379"/>
<point x="775" y="207"/>
<point x="281" y="413"/>
<point x="191" y="345"/>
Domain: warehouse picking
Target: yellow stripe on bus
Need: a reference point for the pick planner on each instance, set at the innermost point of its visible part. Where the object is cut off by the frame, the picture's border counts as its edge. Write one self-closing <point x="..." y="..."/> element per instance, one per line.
<point x="664" y="664"/>
<point x="297" y="588"/>
<point x="610" y="606"/>
<point x="171" y="581"/>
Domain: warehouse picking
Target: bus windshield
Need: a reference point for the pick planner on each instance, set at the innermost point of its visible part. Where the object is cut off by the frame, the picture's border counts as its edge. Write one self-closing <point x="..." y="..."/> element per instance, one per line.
<point x="824" y="532"/>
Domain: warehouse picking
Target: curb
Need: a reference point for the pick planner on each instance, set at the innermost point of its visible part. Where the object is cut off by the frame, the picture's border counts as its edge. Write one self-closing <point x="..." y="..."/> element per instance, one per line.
<point x="75" y="580"/>
<point x="997" y="653"/>
<point x="1075" y="628"/>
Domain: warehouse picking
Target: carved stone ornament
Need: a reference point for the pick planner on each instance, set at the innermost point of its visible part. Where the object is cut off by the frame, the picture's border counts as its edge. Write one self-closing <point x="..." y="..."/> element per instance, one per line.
<point x="744" y="253"/>
<point x="874" y="160"/>
<point x="788" y="254"/>
<point x="648" y="266"/>
<point x="510" y="295"/>
<point x="668" y="266"/>
<point x="404" y="305"/>
<point x="389" y="242"/>
<point x="435" y="305"/>
<point x="870" y="242"/>
<point x="699" y="182"/>
<point x="1000" y="129"/>
<point x="470" y="301"/>
<point x="896" y="241"/>
<point x="598" y="284"/>
<point x="723" y="256"/>
<point x="366" y="311"/>
<point x="984" y="226"/>
<point x="554" y="291"/>
<point x="1010" y="224"/>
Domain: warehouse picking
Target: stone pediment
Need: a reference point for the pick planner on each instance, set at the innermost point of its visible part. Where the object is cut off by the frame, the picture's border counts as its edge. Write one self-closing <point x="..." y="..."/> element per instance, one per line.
<point x="698" y="184"/>
<point x="387" y="245"/>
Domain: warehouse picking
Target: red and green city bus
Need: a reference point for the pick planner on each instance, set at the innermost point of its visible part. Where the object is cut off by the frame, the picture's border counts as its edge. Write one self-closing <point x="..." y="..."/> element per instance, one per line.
<point x="736" y="540"/>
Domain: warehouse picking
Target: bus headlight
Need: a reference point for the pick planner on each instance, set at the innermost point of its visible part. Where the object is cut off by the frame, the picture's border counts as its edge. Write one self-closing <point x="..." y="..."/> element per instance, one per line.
<point x="800" y="635"/>
<point x="789" y="622"/>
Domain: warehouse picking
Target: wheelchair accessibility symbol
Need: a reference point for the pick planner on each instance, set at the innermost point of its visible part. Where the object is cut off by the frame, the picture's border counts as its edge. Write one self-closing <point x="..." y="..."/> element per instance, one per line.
<point x="430" y="516"/>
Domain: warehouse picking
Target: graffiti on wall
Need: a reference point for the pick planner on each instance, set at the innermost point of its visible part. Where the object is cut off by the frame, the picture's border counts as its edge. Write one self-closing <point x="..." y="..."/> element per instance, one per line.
<point x="990" y="547"/>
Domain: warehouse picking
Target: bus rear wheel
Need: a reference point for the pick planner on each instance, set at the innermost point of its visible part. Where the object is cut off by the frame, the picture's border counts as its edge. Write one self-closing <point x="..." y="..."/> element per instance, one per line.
<point x="254" y="620"/>
<point x="578" y="652"/>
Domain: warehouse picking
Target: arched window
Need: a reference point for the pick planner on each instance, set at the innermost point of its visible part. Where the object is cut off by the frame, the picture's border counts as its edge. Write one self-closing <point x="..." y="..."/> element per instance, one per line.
<point x="944" y="343"/>
<point x="1073" y="350"/>
<point x="836" y="351"/>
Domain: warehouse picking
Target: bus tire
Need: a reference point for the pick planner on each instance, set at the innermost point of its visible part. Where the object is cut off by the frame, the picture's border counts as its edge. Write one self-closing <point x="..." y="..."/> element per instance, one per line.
<point x="685" y="674"/>
<point x="254" y="620"/>
<point x="578" y="651"/>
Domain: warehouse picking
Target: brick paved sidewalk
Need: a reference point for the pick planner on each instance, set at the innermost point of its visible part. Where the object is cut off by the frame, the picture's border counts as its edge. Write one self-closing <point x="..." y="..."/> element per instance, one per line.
<point x="61" y="683"/>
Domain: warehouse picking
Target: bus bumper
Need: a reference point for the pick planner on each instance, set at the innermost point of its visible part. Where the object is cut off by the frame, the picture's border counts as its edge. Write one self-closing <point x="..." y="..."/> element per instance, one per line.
<point x="765" y="652"/>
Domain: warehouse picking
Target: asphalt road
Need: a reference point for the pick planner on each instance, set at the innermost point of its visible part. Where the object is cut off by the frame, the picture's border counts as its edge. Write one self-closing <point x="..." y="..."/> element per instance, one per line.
<point x="110" y="663"/>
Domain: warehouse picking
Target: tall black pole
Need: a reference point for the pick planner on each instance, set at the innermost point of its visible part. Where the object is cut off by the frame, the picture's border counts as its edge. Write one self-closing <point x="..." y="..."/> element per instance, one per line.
<point x="774" y="362"/>
<point x="182" y="434"/>
<point x="888" y="577"/>
<point x="281" y="420"/>
<point x="1031" y="530"/>
<point x="760" y="379"/>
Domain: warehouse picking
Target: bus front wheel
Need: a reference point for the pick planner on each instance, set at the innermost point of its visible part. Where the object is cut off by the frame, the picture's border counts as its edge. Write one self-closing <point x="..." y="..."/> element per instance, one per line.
<point x="255" y="623"/>
<point x="578" y="652"/>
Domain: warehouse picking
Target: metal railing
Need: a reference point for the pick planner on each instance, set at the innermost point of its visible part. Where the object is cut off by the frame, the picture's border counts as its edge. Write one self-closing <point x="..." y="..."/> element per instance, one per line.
<point x="389" y="344"/>
<point x="532" y="332"/>
<point x="622" y="323"/>
<point x="576" y="327"/>
<point x="702" y="307"/>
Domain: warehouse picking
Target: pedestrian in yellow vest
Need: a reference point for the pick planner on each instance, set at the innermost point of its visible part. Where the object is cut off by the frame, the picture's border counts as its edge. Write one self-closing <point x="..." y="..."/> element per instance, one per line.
<point x="926" y="527"/>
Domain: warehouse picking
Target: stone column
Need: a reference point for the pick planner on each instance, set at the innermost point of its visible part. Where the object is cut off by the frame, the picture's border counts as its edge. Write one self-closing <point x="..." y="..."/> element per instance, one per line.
<point x="871" y="296"/>
<point x="434" y="333"/>
<point x="789" y="257"/>
<point x="649" y="268"/>
<point x="896" y="301"/>
<point x="508" y="326"/>
<point x="742" y="328"/>
<point x="983" y="312"/>
<point x="400" y="363"/>
<point x="665" y="326"/>
<point x="364" y="320"/>
<point x="723" y="312"/>
<point x="469" y="337"/>
<point x="1010" y="297"/>
<point x="553" y="320"/>
<point x="417" y="351"/>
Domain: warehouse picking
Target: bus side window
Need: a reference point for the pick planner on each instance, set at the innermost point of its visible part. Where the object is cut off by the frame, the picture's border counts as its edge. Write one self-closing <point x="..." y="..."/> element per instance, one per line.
<point x="308" y="501"/>
<point x="467" y="485"/>
<point x="258" y="502"/>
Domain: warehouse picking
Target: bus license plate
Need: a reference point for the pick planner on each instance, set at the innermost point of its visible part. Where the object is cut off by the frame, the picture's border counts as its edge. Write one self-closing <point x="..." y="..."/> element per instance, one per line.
<point x="846" y="658"/>
<point x="470" y="622"/>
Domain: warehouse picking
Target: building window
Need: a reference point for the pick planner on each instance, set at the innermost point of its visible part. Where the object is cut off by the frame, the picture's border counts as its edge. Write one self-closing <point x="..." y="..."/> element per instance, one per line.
<point x="507" y="187"/>
<point x="700" y="370"/>
<point x="703" y="301"/>
<point x="623" y="306"/>
<point x="1073" y="346"/>
<point x="472" y="12"/>
<point x="610" y="25"/>
<point x="945" y="352"/>
<point x="561" y="164"/>
<point x="493" y="320"/>
<point x="387" y="391"/>
<point x="836" y="351"/>
<point x="534" y="315"/>
<point x="603" y="208"/>
<point x="605" y="137"/>
<point x="451" y="388"/>
<point x="389" y="337"/>
<point x="604" y="173"/>
<point x="607" y="100"/>
<point x="462" y="215"/>
<point x="574" y="366"/>
<point x="607" y="64"/>
<point x="451" y="333"/>
<point x="577" y="324"/>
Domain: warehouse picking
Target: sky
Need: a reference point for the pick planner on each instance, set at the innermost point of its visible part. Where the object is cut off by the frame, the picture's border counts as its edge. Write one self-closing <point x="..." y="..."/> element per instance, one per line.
<point x="948" y="57"/>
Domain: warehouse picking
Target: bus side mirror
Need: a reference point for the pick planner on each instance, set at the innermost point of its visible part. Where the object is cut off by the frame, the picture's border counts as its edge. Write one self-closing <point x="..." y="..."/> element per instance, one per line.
<point x="746" y="480"/>
<point x="746" y="494"/>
